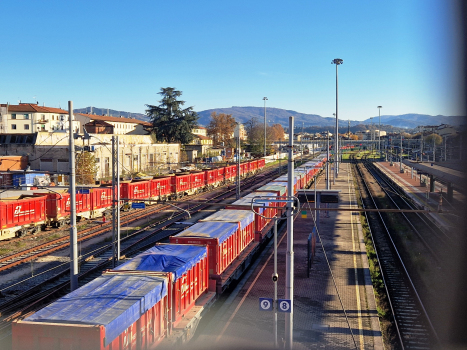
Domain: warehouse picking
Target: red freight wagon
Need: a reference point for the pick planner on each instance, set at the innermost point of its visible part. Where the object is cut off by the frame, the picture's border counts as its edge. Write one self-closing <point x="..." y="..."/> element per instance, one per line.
<point x="279" y="190"/>
<point x="253" y="166"/>
<point x="160" y="187"/>
<point x="261" y="163"/>
<point x="135" y="190"/>
<point x="197" y="181"/>
<point x="260" y="222"/>
<point x="112" y="312"/>
<point x="245" y="220"/>
<point x="230" y="172"/>
<point x="221" y="174"/>
<point x="180" y="185"/>
<point x="21" y="215"/>
<point x="101" y="199"/>
<point x="214" y="177"/>
<point x="221" y="239"/>
<point x="243" y="168"/>
<point x="58" y="207"/>
<point x="186" y="268"/>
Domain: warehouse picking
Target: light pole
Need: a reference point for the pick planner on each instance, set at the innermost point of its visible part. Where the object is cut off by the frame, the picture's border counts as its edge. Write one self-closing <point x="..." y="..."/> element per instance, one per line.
<point x="265" y="99"/>
<point x="379" y="131"/>
<point x="337" y="62"/>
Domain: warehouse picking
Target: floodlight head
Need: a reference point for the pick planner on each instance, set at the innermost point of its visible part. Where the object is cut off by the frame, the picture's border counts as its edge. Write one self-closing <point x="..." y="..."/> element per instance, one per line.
<point x="76" y="135"/>
<point x="337" y="61"/>
<point x="380" y="107"/>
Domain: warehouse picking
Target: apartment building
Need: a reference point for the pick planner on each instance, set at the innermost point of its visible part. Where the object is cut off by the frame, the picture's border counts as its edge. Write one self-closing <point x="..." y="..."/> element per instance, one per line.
<point x="28" y="118"/>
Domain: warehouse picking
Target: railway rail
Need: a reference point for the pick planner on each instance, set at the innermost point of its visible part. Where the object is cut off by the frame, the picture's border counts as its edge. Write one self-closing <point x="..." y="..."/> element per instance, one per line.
<point x="414" y="327"/>
<point x="95" y="262"/>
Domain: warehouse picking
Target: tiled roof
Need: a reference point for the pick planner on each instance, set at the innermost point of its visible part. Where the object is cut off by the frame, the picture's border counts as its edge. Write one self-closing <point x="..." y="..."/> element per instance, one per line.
<point x="115" y="119"/>
<point x="35" y="108"/>
<point x="202" y="137"/>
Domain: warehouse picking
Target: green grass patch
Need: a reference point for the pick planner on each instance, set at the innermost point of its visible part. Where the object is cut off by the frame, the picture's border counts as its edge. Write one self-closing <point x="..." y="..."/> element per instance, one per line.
<point x="4" y="251"/>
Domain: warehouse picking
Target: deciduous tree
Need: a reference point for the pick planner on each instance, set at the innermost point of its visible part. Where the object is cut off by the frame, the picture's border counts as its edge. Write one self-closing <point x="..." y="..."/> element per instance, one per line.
<point x="86" y="169"/>
<point x="221" y="128"/>
<point x="171" y="123"/>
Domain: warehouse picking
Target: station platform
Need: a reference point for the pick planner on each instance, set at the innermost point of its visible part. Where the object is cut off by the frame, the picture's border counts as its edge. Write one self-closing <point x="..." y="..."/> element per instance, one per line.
<point x="409" y="182"/>
<point x="334" y="306"/>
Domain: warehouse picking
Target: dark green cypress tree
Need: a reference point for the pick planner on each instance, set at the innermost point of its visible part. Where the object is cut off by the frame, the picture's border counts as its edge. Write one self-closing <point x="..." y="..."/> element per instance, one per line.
<point x="171" y="123"/>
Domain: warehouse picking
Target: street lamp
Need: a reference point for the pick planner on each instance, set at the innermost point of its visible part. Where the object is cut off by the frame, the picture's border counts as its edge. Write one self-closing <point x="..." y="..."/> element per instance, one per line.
<point x="379" y="132"/>
<point x="337" y="62"/>
<point x="265" y="99"/>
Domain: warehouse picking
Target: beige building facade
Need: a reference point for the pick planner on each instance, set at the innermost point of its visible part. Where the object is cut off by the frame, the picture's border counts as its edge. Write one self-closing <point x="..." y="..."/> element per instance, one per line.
<point x="27" y="118"/>
<point x="50" y="152"/>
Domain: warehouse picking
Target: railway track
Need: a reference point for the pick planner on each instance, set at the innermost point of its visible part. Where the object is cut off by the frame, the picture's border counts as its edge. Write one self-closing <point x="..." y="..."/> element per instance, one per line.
<point x="95" y="262"/>
<point x="7" y="262"/>
<point x="413" y="325"/>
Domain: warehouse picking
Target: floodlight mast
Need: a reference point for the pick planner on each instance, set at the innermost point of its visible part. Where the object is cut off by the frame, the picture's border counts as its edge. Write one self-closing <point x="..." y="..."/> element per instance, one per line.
<point x="337" y="62"/>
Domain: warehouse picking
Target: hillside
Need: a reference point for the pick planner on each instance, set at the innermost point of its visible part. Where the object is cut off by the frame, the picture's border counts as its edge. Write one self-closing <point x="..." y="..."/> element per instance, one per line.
<point x="111" y="112"/>
<point x="281" y="116"/>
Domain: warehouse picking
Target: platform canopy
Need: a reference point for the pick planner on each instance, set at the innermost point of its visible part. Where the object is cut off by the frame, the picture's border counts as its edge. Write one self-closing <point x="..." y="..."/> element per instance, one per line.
<point x="441" y="173"/>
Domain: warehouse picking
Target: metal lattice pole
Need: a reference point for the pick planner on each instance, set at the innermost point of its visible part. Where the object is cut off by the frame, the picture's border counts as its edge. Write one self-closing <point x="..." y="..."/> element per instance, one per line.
<point x="72" y="190"/>
<point x="115" y="202"/>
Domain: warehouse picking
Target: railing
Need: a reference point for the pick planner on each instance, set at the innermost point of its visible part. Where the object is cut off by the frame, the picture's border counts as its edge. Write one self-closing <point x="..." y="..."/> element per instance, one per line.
<point x="42" y="121"/>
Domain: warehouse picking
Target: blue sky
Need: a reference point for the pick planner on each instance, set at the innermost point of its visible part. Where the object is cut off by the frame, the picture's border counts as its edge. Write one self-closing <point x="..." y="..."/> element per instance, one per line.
<point x="400" y="54"/>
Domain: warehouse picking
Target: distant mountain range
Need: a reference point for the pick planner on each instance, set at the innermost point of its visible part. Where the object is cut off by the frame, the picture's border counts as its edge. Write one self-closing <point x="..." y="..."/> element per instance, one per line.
<point x="281" y="116"/>
<point x="111" y="113"/>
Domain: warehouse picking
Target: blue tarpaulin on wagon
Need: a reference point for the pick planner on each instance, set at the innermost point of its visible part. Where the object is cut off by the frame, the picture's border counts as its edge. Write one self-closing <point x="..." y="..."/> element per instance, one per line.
<point x="113" y="301"/>
<point x="210" y="229"/>
<point x="175" y="258"/>
<point x="244" y="217"/>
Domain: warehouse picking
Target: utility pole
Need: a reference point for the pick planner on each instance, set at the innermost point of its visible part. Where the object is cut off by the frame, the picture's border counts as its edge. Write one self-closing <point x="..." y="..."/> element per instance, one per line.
<point x="237" y="132"/>
<point x="289" y="273"/>
<point x="327" y="164"/>
<point x="379" y="131"/>
<point x="265" y="99"/>
<point x="115" y="202"/>
<point x="72" y="190"/>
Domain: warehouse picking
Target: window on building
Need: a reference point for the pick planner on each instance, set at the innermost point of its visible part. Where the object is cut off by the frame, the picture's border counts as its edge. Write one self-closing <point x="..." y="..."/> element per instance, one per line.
<point x="13" y="116"/>
<point x="62" y="118"/>
<point x="98" y="160"/>
<point x="13" y="126"/>
<point x="26" y="116"/>
<point x="26" y="126"/>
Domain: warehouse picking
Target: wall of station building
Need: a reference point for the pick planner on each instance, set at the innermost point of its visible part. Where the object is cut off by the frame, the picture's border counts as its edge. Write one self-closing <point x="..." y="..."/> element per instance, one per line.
<point x="137" y="153"/>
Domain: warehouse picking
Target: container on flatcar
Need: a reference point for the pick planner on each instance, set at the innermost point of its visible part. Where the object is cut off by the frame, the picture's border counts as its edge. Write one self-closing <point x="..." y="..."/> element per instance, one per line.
<point x="221" y="239"/>
<point x="260" y="222"/>
<point x="185" y="266"/>
<point x="279" y="189"/>
<point x="245" y="219"/>
<point x="134" y="190"/>
<point x="160" y="187"/>
<point x="21" y="215"/>
<point x="181" y="185"/>
<point x="110" y="312"/>
<point x="284" y="178"/>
